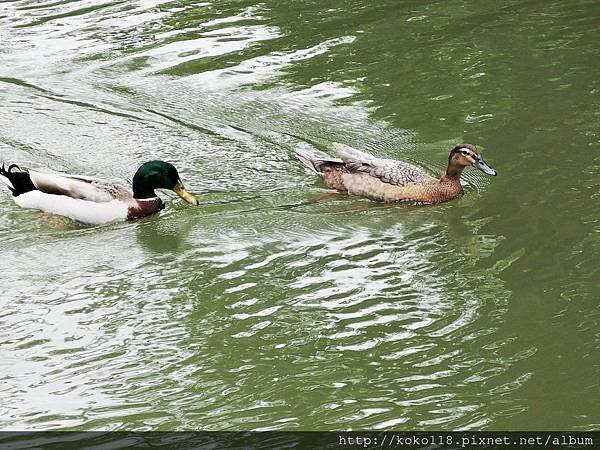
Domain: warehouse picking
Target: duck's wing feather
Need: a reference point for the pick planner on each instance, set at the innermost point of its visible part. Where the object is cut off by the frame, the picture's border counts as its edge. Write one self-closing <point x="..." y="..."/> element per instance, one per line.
<point x="79" y="187"/>
<point x="389" y="171"/>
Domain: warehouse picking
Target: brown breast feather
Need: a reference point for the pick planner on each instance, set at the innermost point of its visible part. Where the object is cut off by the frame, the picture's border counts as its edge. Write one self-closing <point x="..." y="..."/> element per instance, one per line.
<point x="144" y="208"/>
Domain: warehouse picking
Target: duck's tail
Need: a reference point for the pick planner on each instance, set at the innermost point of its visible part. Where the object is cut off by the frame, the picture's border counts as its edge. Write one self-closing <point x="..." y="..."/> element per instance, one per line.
<point x="315" y="160"/>
<point x="17" y="181"/>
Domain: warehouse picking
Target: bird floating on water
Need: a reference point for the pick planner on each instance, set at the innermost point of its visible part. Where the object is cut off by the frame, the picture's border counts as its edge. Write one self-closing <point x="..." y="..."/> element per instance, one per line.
<point x="91" y="200"/>
<point x="364" y="175"/>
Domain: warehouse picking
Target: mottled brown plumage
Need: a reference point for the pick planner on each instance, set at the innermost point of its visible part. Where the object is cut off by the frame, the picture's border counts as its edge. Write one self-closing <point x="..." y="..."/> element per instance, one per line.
<point x="361" y="174"/>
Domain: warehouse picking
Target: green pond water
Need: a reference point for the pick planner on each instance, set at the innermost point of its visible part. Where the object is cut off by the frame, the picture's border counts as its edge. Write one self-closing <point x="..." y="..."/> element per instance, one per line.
<point x="273" y="306"/>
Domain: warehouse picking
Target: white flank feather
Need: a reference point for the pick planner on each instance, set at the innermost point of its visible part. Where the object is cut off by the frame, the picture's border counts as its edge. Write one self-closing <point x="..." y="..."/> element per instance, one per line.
<point x="81" y="210"/>
<point x="6" y="181"/>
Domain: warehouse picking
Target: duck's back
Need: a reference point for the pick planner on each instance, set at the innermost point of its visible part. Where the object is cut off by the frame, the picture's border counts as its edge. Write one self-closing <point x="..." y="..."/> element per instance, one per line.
<point x="397" y="173"/>
<point x="384" y="180"/>
<point x="79" y="187"/>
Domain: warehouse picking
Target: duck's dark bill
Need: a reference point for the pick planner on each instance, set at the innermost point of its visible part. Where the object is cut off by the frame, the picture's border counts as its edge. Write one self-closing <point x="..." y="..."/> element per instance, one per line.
<point x="482" y="165"/>
<point x="180" y="190"/>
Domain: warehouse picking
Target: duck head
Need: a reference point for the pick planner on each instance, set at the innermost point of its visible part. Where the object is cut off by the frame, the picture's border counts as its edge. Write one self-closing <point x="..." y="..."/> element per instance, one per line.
<point x="159" y="175"/>
<point x="466" y="155"/>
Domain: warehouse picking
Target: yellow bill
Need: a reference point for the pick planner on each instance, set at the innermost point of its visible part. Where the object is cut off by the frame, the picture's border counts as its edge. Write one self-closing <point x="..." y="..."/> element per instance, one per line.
<point x="180" y="190"/>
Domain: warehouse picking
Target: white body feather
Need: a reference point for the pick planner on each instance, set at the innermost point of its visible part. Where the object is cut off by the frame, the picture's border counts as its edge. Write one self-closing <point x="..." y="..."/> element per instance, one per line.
<point x="84" y="211"/>
<point x="6" y="181"/>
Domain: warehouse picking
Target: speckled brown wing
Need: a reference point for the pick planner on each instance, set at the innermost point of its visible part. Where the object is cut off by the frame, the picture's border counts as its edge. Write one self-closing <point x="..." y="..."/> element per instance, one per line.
<point x="389" y="171"/>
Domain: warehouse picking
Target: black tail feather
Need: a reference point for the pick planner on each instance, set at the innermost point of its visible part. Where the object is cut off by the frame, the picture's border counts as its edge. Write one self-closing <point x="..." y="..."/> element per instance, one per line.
<point x="20" y="180"/>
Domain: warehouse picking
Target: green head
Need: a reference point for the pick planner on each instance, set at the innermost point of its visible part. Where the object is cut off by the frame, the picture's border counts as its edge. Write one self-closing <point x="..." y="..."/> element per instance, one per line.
<point x="159" y="175"/>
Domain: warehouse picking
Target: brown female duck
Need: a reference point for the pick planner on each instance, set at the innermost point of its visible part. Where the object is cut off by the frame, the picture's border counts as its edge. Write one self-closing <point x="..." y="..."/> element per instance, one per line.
<point x="358" y="173"/>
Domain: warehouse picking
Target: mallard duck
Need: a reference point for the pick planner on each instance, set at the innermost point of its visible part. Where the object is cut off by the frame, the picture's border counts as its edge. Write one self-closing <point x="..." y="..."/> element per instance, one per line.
<point x="358" y="173"/>
<point x="91" y="200"/>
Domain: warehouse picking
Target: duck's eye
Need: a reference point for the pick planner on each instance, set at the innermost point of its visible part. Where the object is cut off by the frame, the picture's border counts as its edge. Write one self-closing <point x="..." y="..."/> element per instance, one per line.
<point x="464" y="152"/>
